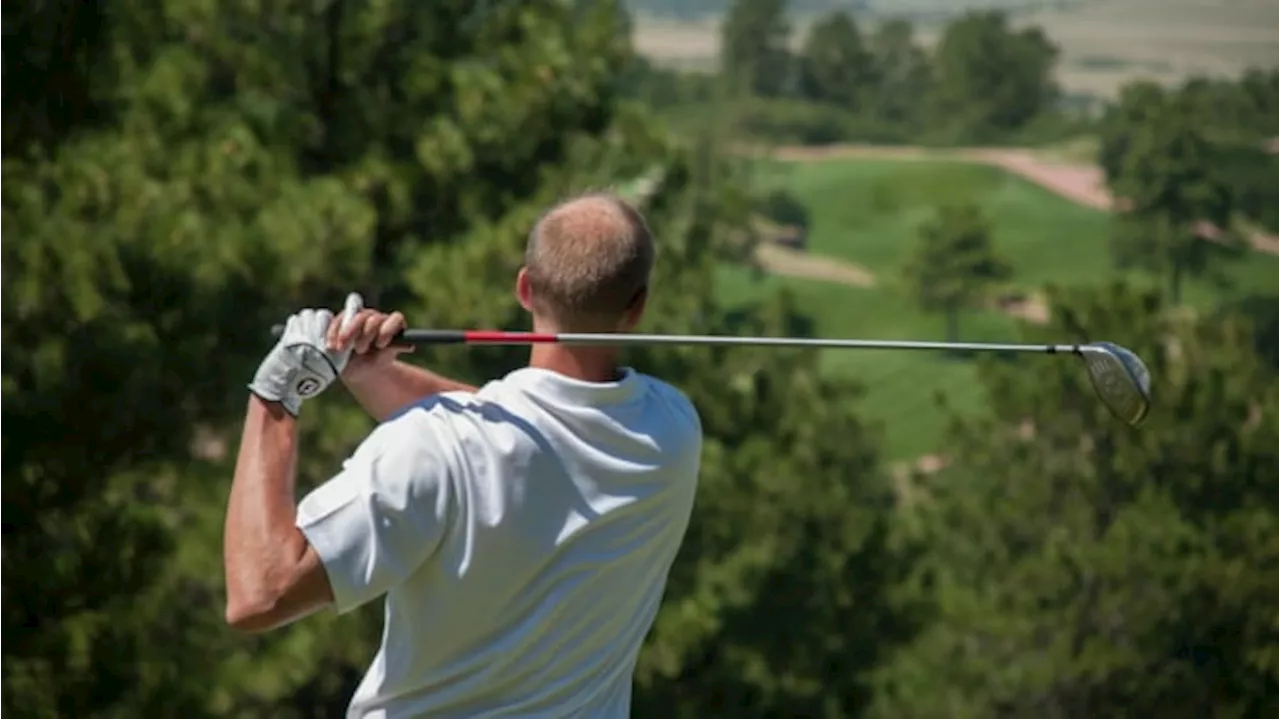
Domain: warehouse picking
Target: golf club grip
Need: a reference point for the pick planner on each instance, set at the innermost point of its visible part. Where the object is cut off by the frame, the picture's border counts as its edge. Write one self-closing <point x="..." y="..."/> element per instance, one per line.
<point x="412" y="337"/>
<point x="431" y="337"/>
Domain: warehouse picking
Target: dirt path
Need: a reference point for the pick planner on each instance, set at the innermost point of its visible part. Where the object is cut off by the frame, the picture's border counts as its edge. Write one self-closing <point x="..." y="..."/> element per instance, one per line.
<point x="1083" y="184"/>
<point x="1033" y="308"/>
<point x="795" y="263"/>
<point x="779" y="260"/>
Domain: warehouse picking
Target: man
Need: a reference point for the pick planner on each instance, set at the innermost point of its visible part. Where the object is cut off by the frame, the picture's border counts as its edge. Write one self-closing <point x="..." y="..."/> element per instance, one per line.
<point x="521" y="532"/>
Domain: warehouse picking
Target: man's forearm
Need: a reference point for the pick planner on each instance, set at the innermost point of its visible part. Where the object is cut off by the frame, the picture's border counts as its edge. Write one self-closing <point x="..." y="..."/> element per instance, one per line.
<point x="261" y="545"/>
<point x="384" y="390"/>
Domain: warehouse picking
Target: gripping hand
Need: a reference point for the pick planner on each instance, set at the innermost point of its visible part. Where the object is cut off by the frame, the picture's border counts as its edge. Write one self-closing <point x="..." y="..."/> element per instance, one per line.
<point x="301" y="366"/>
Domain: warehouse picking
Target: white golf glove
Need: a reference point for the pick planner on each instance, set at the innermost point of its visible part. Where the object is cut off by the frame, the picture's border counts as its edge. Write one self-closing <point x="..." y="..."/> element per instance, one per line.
<point x="301" y="366"/>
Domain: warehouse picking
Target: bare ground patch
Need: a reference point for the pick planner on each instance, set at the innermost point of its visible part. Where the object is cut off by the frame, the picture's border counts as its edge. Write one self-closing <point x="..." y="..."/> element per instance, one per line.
<point x="796" y="263"/>
<point x="1032" y="308"/>
<point x="780" y="260"/>
<point x="1082" y="184"/>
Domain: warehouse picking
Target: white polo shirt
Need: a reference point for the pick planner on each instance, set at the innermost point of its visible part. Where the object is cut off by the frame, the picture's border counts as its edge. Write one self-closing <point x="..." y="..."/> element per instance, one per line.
<point x="522" y="536"/>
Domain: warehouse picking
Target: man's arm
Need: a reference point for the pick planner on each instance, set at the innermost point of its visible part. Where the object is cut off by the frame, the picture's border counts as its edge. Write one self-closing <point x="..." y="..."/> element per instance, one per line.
<point x="380" y="382"/>
<point x="273" y="575"/>
<point x="354" y="537"/>
<point x="385" y="387"/>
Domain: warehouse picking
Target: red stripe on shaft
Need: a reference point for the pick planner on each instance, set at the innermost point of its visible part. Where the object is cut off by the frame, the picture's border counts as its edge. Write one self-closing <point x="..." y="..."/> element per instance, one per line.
<point x="499" y="336"/>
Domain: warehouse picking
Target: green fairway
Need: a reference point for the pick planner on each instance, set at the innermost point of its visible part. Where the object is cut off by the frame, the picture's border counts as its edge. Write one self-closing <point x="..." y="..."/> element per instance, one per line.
<point x="900" y="385"/>
<point x="868" y="212"/>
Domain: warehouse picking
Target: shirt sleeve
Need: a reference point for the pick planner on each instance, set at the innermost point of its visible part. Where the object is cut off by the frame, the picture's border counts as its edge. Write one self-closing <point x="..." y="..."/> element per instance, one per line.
<point x="385" y="513"/>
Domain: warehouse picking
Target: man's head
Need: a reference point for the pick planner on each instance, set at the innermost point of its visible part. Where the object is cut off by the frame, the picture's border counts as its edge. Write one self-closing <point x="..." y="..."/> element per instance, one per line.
<point x="587" y="265"/>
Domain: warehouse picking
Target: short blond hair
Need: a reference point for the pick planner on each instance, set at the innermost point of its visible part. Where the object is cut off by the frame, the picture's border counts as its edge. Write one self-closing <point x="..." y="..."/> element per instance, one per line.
<point x="588" y="260"/>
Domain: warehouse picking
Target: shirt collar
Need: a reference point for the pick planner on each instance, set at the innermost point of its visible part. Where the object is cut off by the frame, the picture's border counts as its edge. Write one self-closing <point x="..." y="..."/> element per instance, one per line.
<point x="577" y="391"/>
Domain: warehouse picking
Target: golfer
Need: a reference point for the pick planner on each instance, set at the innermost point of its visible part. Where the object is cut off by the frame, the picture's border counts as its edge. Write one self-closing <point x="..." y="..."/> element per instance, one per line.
<point x="520" y="534"/>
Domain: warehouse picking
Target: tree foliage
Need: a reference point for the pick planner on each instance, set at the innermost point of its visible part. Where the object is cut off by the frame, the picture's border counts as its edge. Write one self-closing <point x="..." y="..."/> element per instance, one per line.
<point x="1076" y="567"/>
<point x="1177" y="185"/>
<point x="200" y="169"/>
<point x="984" y="81"/>
<point x="177" y="176"/>
<point x="990" y="78"/>
<point x="1238" y="117"/>
<point x="954" y="263"/>
<point x="903" y="73"/>
<point x="754" y="51"/>
<point x="834" y="65"/>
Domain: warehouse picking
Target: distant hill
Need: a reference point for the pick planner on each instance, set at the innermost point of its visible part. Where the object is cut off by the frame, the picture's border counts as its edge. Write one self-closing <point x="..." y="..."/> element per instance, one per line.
<point x="701" y="9"/>
<point x="1104" y="43"/>
<point x="920" y="10"/>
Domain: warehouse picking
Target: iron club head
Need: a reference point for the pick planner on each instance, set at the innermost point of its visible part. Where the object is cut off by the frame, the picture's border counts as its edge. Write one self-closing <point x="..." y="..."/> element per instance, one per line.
<point x="1120" y="379"/>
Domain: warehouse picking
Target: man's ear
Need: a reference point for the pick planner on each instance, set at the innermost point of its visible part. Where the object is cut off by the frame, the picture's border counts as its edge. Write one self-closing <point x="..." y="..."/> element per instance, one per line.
<point x="524" y="290"/>
<point x="635" y="310"/>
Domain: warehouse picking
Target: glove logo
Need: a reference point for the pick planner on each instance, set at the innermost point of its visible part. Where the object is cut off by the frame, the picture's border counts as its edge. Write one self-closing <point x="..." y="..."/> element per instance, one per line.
<point x="307" y="386"/>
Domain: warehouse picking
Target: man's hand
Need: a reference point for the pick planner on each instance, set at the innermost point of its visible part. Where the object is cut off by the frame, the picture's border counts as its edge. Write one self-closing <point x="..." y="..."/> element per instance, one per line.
<point x="300" y="366"/>
<point x="379" y="382"/>
<point x="368" y="340"/>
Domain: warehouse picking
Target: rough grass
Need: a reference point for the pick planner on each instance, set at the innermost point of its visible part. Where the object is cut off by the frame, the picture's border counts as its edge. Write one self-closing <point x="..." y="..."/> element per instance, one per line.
<point x="868" y="212"/>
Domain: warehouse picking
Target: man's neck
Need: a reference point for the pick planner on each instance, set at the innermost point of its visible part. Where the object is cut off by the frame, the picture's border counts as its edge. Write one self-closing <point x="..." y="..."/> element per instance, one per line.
<point x="589" y="364"/>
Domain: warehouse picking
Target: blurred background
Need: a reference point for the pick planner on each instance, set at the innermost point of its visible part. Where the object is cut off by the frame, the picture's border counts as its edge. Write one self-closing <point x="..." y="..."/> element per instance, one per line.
<point x="877" y="534"/>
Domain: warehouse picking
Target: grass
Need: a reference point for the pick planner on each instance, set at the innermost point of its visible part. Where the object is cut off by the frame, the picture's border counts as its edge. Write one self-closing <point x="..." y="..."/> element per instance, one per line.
<point x="868" y="212"/>
<point x="1082" y="150"/>
<point x="900" y="385"/>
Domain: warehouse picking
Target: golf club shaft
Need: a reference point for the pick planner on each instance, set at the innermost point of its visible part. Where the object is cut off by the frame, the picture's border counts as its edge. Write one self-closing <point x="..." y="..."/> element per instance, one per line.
<point x="500" y="337"/>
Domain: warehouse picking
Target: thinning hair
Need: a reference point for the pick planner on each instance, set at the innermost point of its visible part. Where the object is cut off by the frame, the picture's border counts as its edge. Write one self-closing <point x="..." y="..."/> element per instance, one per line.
<point x="588" y="261"/>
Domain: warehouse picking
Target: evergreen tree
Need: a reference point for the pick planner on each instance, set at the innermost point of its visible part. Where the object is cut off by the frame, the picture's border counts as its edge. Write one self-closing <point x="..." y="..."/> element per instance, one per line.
<point x="1077" y="567"/>
<point x="1164" y="169"/>
<point x="835" y="65"/>
<point x="954" y="263"/>
<point x="754" y="50"/>
<point x="991" y="80"/>
<point x="200" y="171"/>
<point x="903" y="74"/>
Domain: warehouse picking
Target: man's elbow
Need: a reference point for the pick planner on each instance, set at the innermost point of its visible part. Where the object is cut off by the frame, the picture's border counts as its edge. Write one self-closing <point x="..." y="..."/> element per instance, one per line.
<point x="268" y="606"/>
<point x="252" y="615"/>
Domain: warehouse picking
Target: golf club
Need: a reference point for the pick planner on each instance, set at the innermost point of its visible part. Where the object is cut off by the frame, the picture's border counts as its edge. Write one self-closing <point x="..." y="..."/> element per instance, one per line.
<point x="1119" y="377"/>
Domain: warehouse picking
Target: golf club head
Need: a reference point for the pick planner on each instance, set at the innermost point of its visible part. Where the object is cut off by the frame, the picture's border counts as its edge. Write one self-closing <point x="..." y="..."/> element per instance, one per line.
<point x="1120" y="379"/>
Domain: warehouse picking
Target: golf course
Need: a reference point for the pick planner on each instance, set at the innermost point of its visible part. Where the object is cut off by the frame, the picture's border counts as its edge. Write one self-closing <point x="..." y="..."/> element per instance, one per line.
<point x="618" y="431"/>
<point x="866" y="213"/>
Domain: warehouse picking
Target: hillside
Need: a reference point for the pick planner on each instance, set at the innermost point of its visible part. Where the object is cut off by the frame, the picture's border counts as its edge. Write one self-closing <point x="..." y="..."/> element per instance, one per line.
<point x="693" y="9"/>
<point x="922" y="10"/>
<point x="1103" y="44"/>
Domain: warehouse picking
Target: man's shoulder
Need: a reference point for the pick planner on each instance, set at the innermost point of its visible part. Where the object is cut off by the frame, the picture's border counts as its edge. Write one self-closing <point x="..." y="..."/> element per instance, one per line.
<point x="675" y="420"/>
<point x="435" y="407"/>
<point x="407" y="428"/>
<point x="673" y="396"/>
<point x="429" y="416"/>
<point x="442" y="428"/>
